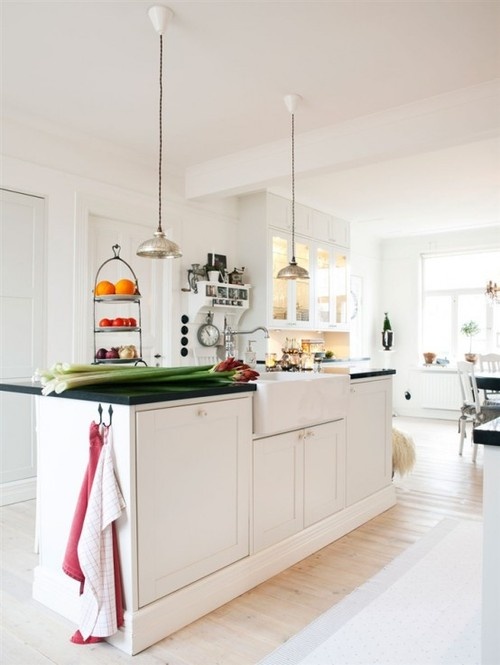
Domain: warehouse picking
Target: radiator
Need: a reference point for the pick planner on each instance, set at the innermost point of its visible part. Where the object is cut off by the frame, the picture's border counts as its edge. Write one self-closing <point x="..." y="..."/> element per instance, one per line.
<point x="438" y="389"/>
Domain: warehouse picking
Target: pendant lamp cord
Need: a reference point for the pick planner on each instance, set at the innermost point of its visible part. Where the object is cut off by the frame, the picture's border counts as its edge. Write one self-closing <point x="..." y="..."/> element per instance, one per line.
<point x="293" y="188"/>
<point x="161" y="134"/>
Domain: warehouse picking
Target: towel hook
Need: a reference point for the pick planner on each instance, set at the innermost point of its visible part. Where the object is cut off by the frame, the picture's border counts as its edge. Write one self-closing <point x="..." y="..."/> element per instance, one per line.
<point x="99" y="409"/>
<point x="110" y="411"/>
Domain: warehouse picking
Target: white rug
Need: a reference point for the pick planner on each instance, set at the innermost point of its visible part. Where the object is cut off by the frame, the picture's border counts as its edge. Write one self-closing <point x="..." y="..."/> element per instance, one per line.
<point x="424" y="608"/>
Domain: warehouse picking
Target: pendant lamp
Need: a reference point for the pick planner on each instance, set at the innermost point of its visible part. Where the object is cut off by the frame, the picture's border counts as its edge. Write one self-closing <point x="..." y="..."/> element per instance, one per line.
<point x="159" y="246"/>
<point x="292" y="270"/>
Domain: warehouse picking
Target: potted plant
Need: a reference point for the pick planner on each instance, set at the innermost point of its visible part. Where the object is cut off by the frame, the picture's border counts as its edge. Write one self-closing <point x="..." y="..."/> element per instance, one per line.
<point x="470" y="329"/>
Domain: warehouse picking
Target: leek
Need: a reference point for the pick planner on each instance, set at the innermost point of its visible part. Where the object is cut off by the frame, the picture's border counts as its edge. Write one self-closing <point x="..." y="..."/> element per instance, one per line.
<point x="66" y="376"/>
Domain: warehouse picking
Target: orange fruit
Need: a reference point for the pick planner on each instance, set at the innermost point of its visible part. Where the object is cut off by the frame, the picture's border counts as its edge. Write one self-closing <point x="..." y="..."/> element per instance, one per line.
<point x="104" y="288"/>
<point x="125" y="287"/>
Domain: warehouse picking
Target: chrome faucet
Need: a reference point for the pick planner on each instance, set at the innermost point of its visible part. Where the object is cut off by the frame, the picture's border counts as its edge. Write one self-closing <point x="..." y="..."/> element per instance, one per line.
<point x="229" y="334"/>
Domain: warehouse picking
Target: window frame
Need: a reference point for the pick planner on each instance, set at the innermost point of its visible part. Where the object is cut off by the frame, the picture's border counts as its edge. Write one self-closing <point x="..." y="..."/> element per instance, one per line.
<point x="491" y="316"/>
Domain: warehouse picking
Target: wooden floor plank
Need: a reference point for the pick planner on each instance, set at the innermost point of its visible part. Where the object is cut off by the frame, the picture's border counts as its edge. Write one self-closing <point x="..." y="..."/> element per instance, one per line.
<point x="242" y="632"/>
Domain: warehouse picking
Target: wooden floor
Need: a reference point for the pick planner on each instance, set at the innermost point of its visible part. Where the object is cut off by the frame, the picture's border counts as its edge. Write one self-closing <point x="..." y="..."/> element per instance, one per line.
<point x="251" y="626"/>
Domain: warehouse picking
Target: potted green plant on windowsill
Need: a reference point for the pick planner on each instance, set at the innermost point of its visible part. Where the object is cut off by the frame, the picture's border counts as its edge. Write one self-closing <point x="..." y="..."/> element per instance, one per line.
<point x="470" y="329"/>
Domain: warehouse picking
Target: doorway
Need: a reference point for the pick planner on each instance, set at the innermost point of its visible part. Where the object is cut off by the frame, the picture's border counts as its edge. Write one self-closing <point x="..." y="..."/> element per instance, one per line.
<point x="22" y="344"/>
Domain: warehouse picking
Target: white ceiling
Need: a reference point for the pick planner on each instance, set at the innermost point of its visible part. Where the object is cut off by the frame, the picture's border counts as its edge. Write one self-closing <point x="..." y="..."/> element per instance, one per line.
<point x="399" y="128"/>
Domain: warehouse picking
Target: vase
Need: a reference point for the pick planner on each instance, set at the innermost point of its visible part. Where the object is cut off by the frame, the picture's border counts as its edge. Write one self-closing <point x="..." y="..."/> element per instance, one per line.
<point x="387" y="337"/>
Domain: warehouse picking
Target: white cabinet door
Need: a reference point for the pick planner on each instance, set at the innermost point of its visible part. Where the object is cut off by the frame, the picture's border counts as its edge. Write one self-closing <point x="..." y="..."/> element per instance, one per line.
<point x="369" y="439"/>
<point x="299" y="479"/>
<point x="193" y="475"/>
<point x="330" y="229"/>
<point x="331" y="279"/>
<point x="279" y="215"/>
<point x="22" y="297"/>
<point x="324" y="471"/>
<point x="278" y="488"/>
<point x="290" y="300"/>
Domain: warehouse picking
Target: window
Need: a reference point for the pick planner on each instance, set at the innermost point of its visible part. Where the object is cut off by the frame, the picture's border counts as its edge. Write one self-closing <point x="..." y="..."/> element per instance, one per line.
<point x="453" y="288"/>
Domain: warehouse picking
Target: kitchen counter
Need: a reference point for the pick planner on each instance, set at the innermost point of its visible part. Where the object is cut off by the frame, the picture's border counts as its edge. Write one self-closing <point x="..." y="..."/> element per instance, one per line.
<point x="149" y="395"/>
<point x="488" y="434"/>
<point x="127" y="395"/>
<point x="358" y="372"/>
<point x="186" y="456"/>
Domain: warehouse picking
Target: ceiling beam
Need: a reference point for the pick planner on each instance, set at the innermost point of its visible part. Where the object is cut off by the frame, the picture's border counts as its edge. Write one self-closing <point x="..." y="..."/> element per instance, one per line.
<point x="454" y="118"/>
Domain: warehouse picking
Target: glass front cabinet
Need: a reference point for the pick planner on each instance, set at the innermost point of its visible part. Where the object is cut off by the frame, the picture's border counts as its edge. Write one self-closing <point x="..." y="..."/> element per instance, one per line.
<point x="331" y="282"/>
<point x="291" y="301"/>
<point x="319" y="303"/>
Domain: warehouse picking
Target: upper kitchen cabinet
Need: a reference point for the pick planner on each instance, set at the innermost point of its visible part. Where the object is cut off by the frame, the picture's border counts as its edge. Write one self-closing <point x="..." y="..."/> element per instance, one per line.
<point x="330" y="229"/>
<point x="279" y="215"/>
<point x="264" y="233"/>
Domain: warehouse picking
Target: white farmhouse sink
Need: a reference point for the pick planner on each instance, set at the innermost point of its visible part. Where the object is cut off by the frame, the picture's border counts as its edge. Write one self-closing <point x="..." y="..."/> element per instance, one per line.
<point x="291" y="400"/>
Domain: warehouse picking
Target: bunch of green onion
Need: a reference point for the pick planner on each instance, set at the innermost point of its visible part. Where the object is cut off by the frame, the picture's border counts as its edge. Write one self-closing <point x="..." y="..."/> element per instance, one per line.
<point x="65" y="376"/>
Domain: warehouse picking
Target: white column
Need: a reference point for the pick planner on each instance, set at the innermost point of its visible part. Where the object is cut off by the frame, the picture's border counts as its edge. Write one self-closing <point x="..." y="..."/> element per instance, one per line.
<point x="491" y="557"/>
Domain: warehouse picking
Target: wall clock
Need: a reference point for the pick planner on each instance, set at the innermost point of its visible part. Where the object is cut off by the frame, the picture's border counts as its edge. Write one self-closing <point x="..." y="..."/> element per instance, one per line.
<point x="208" y="334"/>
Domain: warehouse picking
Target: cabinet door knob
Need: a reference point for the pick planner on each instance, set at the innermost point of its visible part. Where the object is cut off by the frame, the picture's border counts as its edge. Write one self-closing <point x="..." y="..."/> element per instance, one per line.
<point x="202" y="413"/>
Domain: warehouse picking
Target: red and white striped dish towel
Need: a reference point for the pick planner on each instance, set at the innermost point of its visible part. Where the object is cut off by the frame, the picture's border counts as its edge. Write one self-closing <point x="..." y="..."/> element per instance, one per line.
<point x="95" y="548"/>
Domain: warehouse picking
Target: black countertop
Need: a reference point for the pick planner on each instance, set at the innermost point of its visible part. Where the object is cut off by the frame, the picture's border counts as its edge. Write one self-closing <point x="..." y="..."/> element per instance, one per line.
<point x="147" y="395"/>
<point x="359" y="372"/>
<point x="368" y="372"/>
<point x="129" y="395"/>
<point x="488" y="433"/>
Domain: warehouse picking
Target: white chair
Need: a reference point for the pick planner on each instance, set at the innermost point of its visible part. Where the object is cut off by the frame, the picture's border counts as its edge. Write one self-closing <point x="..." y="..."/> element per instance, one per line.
<point x="490" y="362"/>
<point x="472" y="410"/>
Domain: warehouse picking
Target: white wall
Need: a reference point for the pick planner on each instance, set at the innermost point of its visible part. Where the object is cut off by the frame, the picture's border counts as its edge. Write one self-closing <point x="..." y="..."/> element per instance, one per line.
<point x="366" y="263"/>
<point x="82" y="180"/>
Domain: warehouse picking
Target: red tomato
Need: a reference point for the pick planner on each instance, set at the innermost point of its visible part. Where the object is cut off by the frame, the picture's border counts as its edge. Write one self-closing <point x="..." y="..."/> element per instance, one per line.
<point x="132" y="322"/>
<point x="104" y="323"/>
<point x="119" y="322"/>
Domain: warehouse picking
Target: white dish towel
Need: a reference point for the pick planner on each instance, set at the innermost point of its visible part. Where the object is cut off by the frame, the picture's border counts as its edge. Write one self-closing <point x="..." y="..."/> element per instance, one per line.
<point x="95" y="548"/>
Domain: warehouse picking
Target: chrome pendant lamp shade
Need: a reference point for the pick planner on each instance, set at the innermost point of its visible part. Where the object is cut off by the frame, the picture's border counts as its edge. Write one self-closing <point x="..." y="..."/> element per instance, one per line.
<point x="159" y="246"/>
<point x="292" y="270"/>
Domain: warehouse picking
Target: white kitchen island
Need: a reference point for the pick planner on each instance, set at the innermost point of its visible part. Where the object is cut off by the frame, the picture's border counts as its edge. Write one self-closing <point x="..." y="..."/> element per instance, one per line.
<point x="212" y="510"/>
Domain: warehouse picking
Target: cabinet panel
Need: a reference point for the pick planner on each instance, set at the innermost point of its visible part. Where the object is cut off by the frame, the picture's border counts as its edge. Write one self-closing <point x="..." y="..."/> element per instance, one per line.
<point x="299" y="479"/>
<point x="193" y="468"/>
<point x="278" y="212"/>
<point x="340" y="289"/>
<point x="324" y="471"/>
<point x="330" y="229"/>
<point x="279" y="215"/>
<point x="369" y="439"/>
<point x="278" y="488"/>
